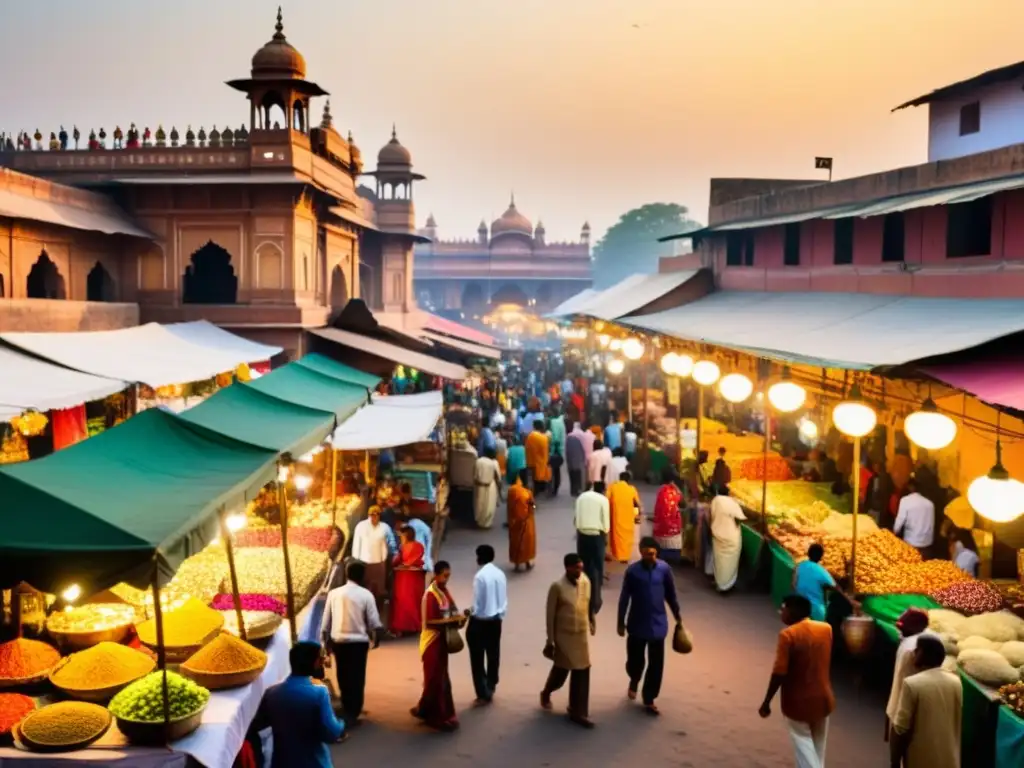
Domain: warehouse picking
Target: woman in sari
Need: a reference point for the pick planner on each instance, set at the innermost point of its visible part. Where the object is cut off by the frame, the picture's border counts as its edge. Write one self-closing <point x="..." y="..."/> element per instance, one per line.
<point x="409" y="584"/>
<point x="727" y="539"/>
<point x="625" y="508"/>
<point x="522" y="527"/>
<point x="487" y="489"/>
<point x="436" y="707"/>
<point x="668" y="523"/>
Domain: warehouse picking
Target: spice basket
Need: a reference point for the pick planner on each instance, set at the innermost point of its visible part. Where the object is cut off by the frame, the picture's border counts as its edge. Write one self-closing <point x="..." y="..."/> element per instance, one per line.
<point x="79" y="641"/>
<point x="19" y="682"/>
<point x="95" y="695"/>
<point x="27" y="744"/>
<point x="218" y="682"/>
<point x="156" y="734"/>
<point x="179" y="653"/>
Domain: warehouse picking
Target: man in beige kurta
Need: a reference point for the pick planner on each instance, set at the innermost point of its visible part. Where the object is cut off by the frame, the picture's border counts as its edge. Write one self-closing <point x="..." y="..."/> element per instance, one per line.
<point x="570" y="623"/>
<point x="926" y="729"/>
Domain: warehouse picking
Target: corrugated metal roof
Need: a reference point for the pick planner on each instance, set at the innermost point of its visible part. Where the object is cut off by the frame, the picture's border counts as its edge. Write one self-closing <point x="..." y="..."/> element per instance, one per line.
<point x="964" y="193"/>
<point x="111" y="221"/>
<point x="838" y="330"/>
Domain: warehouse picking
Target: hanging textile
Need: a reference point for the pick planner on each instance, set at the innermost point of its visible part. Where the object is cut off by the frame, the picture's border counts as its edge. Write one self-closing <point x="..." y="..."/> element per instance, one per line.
<point x="68" y="426"/>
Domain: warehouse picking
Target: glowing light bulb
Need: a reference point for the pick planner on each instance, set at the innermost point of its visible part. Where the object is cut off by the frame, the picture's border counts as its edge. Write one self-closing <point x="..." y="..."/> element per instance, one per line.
<point x="615" y="366"/>
<point x="705" y="372"/>
<point x="236" y="522"/>
<point x="928" y="428"/>
<point x="72" y="593"/>
<point x="735" y="387"/>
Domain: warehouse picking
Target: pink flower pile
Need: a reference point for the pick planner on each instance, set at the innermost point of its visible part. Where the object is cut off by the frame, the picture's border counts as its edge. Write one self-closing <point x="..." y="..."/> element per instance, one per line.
<point x="969" y="598"/>
<point x="250" y="602"/>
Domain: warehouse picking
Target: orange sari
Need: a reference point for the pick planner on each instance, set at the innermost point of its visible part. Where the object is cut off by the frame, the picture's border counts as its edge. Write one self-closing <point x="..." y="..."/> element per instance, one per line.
<point x="624" y="501"/>
<point x="538" y="451"/>
<point x="409" y="583"/>
<point x="522" y="527"/>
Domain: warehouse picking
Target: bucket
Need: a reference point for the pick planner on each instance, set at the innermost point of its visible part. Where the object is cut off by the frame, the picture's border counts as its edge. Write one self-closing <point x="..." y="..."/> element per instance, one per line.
<point x="859" y="634"/>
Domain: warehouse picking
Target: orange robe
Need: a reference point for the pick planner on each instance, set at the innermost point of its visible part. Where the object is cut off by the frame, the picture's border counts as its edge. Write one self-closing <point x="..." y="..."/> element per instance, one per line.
<point x="522" y="527"/>
<point x="624" y="501"/>
<point x="538" y="451"/>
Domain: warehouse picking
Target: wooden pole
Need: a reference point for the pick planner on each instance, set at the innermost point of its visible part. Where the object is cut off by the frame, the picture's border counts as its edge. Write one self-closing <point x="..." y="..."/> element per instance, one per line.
<point x="236" y="598"/>
<point x="700" y="418"/>
<point x="764" y="464"/>
<point x="282" y="499"/>
<point x="856" y="510"/>
<point x="161" y="647"/>
<point x="334" y="487"/>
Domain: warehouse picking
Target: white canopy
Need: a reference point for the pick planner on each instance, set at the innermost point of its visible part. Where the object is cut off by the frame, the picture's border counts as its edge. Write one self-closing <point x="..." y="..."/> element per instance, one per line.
<point x="206" y="334"/>
<point x="29" y="383"/>
<point x="148" y="354"/>
<point x="393" y="353"/>
<point x="389" y="422"/>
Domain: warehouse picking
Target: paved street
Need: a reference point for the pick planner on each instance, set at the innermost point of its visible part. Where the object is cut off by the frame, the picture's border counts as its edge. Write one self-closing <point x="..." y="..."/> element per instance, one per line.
<point x="709" y="701"/>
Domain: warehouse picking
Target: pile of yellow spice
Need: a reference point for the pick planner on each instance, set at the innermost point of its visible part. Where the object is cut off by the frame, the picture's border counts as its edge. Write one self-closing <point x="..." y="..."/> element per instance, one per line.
<point x="107" y="665"/>
<point x="190" y="624"/>
<point x="66" y="724"/>
<point x="225" y="655"/>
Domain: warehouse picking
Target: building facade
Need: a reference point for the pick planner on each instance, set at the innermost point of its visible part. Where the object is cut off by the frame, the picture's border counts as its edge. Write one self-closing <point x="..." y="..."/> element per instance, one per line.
<point x="510" y="262"/>
<point x="260" y="229"/>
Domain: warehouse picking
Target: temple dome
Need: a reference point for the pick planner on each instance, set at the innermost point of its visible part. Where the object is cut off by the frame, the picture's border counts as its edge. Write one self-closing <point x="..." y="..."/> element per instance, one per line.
<point x="278" y="59"/>
<point x="511" y="222"/>
<point x="393" y="153"/>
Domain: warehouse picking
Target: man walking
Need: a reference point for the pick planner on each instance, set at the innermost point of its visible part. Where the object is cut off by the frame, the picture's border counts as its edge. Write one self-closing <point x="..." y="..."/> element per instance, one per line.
<point x="349" y="625"/>
<point x="575" y="459"/>
<point x="373" y="543"/>
<point x="646" y="587"/>
<point x="483" y="635"/>
<point x="569" y="620"/>
<point x="801" y="671"/>
<point x="593" y="521"/>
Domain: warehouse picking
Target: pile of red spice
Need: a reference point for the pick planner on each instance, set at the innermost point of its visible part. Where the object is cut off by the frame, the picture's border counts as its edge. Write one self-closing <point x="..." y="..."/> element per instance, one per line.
<point x="23" y="658"/>
<point x="13" y="709"/>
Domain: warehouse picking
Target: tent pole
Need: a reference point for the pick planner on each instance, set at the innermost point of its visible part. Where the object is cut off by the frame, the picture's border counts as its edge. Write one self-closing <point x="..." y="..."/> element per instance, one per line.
<point x="282" y="500"/>
<point x="764" y="465"/>
<point x="334" y="487"/>
<point x="161" y="647"/>
<point x="229" y="548"/>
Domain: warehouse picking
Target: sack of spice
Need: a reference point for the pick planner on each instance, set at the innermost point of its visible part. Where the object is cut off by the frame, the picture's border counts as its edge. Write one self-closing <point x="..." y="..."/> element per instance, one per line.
<point x="24" y="659"/>
<point x="107" y="665"/>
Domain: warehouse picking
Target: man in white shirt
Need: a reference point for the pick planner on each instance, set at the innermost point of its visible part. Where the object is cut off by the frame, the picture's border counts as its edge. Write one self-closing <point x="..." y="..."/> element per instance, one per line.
<point x="915" y="520"/>
<point x="349" y="624"/>
<point x="483" y="635"/>
<point x="599" y="465"/>
<point x="370" y="545"/>
<point x="593" y="521"/>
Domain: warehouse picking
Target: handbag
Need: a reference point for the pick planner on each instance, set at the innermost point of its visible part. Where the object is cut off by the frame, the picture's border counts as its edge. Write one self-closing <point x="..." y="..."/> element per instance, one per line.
<point x="453" y="639"/>
<point x="549" y="651"/>
<point x="682" y="640"/>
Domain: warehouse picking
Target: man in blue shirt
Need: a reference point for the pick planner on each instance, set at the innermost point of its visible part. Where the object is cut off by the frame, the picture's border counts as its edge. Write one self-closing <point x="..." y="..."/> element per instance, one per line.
<point x="487" y="438"/>
<point x="811" y="580"/>
<point x="613" y="432"/>
<point x="298" y="712"/>
<point x="646" y="587"/>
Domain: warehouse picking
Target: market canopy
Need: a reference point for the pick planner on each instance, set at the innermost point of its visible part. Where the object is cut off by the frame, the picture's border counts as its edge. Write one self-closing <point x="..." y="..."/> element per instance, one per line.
<point x="300" y="385"/>
<point x="417" y="400"/>
<point x="856" y="331"/>
<point x="568" y="307"/>
<point x="206" y="334"/>
<point x="464" y="347"/>
<point x="443" y="325"/>
<point x="30" y="383"/>
<point x="633" y="294"/>
<point x="328" y="367"/>
<point x="392" y="352"/>
<point x="145" y="493"/>
<point x="246" y="414"/>
<point x="146" y="354"/>
<point x="388" y="423"/>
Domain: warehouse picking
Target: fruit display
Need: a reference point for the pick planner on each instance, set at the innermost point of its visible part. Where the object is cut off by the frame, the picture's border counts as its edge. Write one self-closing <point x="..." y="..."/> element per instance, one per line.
<point x="104" y="666"/>
<point x="1013" y="696"/>
<point x="755" y="469"/>
<point x="14" y="707"/>
<point x="190" y="624"/>
<point x="250" y="603"/>
<point x="908" y="579"/>
<point x="22" y="659"/>
<point x="143" y="700"/>
<point x="794" y="499"/>
<point x="261" y="570"/>
<point x="65" y="725"/>
<point x="880" y="556"/>
<point x="89" y="618"/>
<point x="969" y="598"/>
<point x="225" y="655"/>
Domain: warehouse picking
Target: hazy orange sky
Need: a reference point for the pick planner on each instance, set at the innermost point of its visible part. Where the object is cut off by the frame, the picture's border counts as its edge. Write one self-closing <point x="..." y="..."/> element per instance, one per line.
<point x="564" y="101"/>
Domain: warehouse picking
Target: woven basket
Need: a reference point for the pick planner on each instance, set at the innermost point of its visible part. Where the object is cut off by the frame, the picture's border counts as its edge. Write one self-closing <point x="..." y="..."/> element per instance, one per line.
<point x="159" y="733"/>
<point x="95" y="695"/>
<point x="24" y="741"/>
<point x="19" y="682"/>
<point x="218" y="682"/>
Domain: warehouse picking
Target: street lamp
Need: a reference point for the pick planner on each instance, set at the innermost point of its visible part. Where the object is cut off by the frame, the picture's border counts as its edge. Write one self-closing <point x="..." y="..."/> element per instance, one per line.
<point x="615" y="366"/>
<point x="705" y="373"/>
<point x="633" y="349"/>
<point x="854" y="418"/>
<point x="735" y="387"/>
<point x="997" y="496"/>
<point x="928" y="428"/>
<point x="786" y="395"/>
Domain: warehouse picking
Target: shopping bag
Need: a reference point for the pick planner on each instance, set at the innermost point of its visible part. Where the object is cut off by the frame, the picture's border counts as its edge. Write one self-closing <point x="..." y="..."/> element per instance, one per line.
<point x="682" y="640"/>
<point x="453" y="639"/>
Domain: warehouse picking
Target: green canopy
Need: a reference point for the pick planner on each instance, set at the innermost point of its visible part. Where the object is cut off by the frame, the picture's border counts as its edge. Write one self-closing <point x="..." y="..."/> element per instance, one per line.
<point x="108" y="509"/>
<point x="328" y="367"/>
<point x="246" y="414"/>
<point x="302" y="386"/>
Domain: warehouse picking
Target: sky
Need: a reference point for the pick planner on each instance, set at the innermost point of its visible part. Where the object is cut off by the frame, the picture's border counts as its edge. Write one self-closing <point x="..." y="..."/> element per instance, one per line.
<point x="583" y="108"/>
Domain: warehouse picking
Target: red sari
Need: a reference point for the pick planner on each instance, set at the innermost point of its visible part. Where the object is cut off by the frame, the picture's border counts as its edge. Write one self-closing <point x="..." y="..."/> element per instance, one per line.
<point x="409" y="583"/>
<point x="436" y="707"/>
<point x="668" y="523"/>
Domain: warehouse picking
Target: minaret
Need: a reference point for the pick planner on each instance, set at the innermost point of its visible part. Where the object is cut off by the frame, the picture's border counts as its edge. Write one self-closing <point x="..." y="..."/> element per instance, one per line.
<point x="585" y="234"/>
<point x="481" y="232"/>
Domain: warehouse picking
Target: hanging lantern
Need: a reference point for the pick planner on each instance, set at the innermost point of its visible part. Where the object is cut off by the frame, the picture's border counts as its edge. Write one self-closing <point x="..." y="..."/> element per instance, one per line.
<point x="604" y="340"/>
<point x="808" y="431"/>
<point x="996" y="496"/>
<point x="705" y="373"/>
<point x="684" y="366"/>
<point x="853" y="417"/>
<point x="30" y="423"/>
<point x="615" y="366"/>
<point x="669" y="362"/>
<point x="928" y="428"/>
<point x="786" y="395"/>
<point x="735" y="387"/>
<point x="633" y="349"/>
<point x="242" y="372"/>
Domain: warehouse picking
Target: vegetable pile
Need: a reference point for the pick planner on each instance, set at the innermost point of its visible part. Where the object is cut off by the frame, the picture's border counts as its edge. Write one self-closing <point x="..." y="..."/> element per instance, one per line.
<point x="65" y="724"/>
<point x="225" y="655"/>
<point x="23" y="658"/>
<point x="191" y="624"/>
<point x="969" y="598"/>
<point x="143" y="700"/>
<point x="13" y="709"/>
<point x="103" y="666"/>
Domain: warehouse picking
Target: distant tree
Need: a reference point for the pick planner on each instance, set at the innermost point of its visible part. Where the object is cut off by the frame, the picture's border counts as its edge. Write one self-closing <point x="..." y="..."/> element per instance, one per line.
<point x="631" y="244"/>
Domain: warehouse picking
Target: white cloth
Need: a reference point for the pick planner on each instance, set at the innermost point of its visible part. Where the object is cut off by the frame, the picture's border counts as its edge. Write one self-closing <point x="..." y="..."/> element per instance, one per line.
<point x="966" y="560"/>
<point x="809" y="742"/>
<point x="370" y="542"/>
<point x="902" y="668"/>
<point x="593" y="513"/>
<point x="727" y="545"/>
<point x="486" y="477"/>
<point x="490" y="593"/>
<point x="350" y="614"/>
<point x="619" y="465"/>
<point x="598" y="463"/>
<point x="915" y="520"/>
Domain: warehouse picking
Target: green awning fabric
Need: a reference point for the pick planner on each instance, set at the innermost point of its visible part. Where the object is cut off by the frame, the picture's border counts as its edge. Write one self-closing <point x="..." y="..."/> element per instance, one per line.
<point x="107" y="509"/>
<point x="1009" y="738"/>
<point x="303" y="386"/>
<point x="328" y="367"/>
<point x="782" y="573"/>
<point x="886" y="609"/>
<point x="254" y="417"/>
